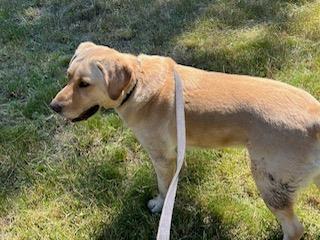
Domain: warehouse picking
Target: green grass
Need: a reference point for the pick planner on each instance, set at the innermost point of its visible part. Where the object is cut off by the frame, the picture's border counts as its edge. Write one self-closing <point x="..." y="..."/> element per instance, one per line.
<point x="92" y="180"/>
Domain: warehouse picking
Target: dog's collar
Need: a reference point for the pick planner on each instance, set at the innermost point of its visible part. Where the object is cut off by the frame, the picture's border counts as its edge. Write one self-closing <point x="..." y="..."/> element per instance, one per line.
<point x="128" y="95"/>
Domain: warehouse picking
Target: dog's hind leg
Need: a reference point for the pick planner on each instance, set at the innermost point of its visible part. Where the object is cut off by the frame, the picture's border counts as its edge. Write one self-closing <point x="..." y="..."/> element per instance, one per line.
<point x="291" y="227"/>
<point x="278" y="192"/>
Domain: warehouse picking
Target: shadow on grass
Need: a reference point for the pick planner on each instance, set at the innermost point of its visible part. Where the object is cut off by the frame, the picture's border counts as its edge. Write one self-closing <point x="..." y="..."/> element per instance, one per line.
<point x="191" y="220"/>
<point x="110" y="185"/>
<point x="132" y="219"/>
<point x="134" y="26"/>
<point x="136" y="222"/>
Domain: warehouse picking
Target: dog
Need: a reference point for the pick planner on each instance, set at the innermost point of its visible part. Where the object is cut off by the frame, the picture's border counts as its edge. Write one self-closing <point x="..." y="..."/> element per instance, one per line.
<point x="278" y="123"/>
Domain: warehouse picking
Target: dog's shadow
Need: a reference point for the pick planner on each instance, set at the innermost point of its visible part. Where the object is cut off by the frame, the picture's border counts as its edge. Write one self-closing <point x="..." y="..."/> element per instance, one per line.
<point x="134" y="221"/>
<point x="127" y="196"/>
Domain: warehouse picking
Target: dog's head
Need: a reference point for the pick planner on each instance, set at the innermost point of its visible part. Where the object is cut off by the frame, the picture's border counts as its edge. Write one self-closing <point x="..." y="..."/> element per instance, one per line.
<point x="98" y="76"/>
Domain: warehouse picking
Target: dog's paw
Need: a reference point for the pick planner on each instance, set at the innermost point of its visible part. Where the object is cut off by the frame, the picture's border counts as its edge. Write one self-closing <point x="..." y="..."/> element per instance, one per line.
<point x="155" y="205"/>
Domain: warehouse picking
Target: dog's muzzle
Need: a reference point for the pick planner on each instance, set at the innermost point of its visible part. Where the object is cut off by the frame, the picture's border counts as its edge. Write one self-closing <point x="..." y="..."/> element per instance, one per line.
<point x="86" y="114"/>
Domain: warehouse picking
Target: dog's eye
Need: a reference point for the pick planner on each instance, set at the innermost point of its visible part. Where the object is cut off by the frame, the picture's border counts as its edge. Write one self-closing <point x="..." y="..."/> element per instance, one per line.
<point x="83" y="84"/>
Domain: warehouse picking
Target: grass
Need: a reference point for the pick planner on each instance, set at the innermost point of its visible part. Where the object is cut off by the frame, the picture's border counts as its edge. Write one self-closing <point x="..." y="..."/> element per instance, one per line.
<point x="92" y="180"/>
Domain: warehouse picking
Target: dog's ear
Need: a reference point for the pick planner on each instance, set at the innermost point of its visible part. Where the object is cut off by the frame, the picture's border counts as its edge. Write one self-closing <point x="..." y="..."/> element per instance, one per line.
<point x="117" y="78"/>
<point x="85" y="45"/>
<point x="82" y="46"/>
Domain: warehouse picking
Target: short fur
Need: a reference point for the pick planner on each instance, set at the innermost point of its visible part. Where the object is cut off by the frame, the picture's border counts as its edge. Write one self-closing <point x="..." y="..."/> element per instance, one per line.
<point x="278" y="123"/>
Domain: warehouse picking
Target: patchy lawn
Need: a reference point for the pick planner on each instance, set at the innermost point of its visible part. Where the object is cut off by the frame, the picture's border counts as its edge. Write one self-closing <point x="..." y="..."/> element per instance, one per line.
<point x="92" y="180"/>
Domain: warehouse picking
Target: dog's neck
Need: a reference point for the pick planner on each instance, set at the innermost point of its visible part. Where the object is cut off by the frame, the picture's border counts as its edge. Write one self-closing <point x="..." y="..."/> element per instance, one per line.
<point x="141" y="90"/>
<point x="129" y="93"/>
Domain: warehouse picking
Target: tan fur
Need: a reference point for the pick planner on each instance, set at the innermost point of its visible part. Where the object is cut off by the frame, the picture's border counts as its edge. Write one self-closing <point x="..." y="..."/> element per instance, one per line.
<point x="293" y="230"/>
<point x="278" y="123"/>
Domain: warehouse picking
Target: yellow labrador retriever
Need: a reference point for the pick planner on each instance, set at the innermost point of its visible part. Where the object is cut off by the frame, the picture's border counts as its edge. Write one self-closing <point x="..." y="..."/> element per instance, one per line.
<point x="279" y="124"/>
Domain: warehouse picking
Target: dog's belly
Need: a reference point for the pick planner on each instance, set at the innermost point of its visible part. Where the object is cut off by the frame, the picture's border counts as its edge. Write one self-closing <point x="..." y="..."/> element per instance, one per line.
<point x="215" y="137"/>
<point x="215" y="131"/>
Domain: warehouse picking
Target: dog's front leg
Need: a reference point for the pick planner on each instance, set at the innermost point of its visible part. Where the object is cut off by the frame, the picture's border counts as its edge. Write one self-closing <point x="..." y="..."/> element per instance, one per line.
<point x="165" y="168"/>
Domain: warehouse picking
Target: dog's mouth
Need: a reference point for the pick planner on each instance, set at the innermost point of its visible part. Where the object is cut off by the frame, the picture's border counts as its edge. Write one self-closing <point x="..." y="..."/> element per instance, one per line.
<point x="86" y="114"/>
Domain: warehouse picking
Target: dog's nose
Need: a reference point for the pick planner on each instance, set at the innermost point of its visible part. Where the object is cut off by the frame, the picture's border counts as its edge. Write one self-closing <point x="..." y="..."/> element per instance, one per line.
<point x="55" y="106"/>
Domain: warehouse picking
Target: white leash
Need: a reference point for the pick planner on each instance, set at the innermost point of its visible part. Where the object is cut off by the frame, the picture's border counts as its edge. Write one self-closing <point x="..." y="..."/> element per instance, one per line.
<point x="166" y="215"/>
